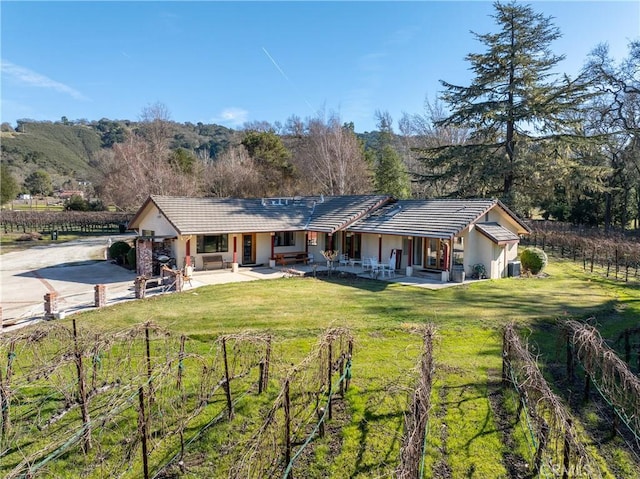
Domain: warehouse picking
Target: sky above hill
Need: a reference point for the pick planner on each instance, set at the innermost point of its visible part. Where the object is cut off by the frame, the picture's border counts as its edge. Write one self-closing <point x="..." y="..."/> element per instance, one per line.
<point x="233" y="62"/>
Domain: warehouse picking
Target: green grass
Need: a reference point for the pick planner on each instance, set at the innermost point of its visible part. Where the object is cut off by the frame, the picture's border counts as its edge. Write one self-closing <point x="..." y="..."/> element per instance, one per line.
<point x="463" y="432"/>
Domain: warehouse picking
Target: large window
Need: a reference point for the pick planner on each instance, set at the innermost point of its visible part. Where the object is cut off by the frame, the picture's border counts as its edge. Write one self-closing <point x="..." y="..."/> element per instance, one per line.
<point x="213" y="244"/>
<point x="284" y="238"/>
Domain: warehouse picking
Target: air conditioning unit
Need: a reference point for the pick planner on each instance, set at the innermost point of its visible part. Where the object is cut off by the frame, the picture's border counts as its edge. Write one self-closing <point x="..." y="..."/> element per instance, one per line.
<point x="513" y="269"/>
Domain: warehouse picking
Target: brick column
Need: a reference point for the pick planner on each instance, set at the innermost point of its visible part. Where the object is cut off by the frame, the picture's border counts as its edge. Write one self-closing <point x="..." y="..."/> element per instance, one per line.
<point x="100" y="295"/>
<point x="50" y="305"/>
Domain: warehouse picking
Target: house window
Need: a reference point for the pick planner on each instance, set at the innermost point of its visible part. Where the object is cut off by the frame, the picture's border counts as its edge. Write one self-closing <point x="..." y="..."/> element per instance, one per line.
<point x="312" y="238"/>
<point x="284" y="238"/>
<point x="458" y="251"/>
<point x="148" y="233"/>
<point x="213" y="244"/>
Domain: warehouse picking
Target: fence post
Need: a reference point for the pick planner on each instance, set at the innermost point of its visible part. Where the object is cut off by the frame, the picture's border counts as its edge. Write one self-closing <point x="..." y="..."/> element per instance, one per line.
<point x="227" y="384"/>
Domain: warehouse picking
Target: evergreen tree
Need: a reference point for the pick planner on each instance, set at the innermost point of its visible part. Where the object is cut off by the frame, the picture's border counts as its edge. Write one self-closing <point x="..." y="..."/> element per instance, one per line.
<point x="38" y="183"/>
<point x="390" y="174"/>
<point x="272" y="157"/>
<point x="8" y="185"/>
<point x="511" y="103"/>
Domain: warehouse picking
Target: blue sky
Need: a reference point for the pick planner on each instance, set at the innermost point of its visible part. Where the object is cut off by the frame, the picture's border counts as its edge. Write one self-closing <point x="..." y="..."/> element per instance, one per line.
<point x="232" y="62"/>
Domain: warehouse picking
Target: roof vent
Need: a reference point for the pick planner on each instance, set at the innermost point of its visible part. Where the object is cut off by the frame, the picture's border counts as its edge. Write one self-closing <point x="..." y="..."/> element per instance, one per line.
<point x="394" y="211"/>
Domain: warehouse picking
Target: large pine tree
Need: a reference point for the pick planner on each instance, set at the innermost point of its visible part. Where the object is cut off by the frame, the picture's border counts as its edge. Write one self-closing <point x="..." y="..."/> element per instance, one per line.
<point x="512" y="102"/>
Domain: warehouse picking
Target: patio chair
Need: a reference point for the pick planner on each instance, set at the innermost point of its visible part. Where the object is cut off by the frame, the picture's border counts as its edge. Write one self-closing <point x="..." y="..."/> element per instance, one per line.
<point x="390" y="268"/>
<point x="366" y="264"/>
<point x="344" y="260"/>
<point x="375" y="267"/>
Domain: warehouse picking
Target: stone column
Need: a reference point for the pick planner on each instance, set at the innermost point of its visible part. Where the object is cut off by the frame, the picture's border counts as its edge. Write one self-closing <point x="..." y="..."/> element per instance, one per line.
<point x="100" y="295"/>
<point x="50" y="305"/>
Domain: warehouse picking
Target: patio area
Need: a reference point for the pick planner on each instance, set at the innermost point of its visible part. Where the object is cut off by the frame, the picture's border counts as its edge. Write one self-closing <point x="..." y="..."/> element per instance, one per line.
<point x="420" y="279"/>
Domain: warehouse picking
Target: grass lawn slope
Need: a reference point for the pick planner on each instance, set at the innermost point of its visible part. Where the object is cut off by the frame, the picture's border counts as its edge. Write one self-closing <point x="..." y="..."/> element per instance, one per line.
<point x="472" y="430"/>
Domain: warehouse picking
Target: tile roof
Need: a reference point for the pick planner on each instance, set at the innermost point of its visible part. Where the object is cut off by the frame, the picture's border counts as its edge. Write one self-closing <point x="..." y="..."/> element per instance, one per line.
<point x="434" y="218"/>
<point x="497" y="233"/>
<point x="236" y="215"/>
<point x="336" y="212"/>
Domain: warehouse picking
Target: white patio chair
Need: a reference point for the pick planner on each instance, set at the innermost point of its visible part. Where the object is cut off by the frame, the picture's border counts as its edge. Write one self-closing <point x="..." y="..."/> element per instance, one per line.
<point x="366" y="264"/>
<point x="390" y="268"/>
<point x="375" y="267"/>
<point x="344" y="260"/>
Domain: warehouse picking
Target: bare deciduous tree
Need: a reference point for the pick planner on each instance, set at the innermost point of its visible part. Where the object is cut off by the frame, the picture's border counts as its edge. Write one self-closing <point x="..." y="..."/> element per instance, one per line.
<point x="234" y="173"/>
<point x="335" y="159"/>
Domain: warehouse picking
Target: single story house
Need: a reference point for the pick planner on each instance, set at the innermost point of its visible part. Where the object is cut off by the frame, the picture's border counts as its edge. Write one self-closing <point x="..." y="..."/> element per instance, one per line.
<point x="437" y="235"/>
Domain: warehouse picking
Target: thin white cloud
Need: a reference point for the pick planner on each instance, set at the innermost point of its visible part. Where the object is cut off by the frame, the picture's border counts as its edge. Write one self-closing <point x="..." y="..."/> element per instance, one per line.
<point x="31" y="78"/>
<point x="232" y="116"/>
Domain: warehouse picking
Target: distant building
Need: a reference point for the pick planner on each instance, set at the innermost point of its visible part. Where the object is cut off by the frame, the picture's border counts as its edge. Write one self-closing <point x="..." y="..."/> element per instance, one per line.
<point x="66" y="194"/>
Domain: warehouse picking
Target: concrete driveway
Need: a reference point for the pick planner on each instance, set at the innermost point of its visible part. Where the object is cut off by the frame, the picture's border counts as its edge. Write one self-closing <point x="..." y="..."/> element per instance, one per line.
<point x="72" y="270"/>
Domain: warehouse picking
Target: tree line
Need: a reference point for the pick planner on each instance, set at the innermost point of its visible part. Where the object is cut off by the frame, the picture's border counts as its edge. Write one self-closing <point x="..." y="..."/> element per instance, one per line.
<point x="565" y="148"/>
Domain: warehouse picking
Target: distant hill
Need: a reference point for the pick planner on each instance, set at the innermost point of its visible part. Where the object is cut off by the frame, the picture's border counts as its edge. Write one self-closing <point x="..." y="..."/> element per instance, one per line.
<point x="65" y="149"/>
<point x="60" y="149"/>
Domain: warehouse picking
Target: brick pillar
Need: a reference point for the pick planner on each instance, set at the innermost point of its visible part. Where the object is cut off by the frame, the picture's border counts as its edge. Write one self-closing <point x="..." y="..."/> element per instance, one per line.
<point x="50" y="305"/>
<point x="140" y="286"/>
<point x="100" y="295"/>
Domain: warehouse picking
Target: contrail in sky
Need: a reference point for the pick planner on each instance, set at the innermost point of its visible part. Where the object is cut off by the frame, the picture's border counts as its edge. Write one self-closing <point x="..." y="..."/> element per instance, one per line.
<point x="275" y="64"/>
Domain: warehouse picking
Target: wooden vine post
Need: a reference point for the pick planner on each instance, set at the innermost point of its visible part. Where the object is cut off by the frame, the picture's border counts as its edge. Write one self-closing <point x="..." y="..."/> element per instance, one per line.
<point x="82" y="393"/>
<point x="329" y="373"/>
<point x="287" y="428"/>
<point x="542" y="443"/>
<point x="227" y="384"/>
<point x="180" y="363"/>
<point x="264" y="374"/>
<point x="505" y="357"/>
<point x="567" y="452"/>
<point x="347" y="379"/>
<point x="5" y="391"/>
<point x="142" y="421"/>
<point x="148" y="359"/>
<point x="569" y="358"/>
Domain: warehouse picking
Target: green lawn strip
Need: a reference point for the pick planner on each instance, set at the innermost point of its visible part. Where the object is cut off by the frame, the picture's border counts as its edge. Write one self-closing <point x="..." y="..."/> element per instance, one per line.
<point x="383" y="377"/>
<point x="464" y="357"/>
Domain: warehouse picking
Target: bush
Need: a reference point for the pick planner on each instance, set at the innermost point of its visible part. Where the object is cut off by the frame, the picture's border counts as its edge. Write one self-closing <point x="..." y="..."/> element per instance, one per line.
<point x="119" y="250"/>
<point x="533" y="260"/>
<point x="131" y="257"/>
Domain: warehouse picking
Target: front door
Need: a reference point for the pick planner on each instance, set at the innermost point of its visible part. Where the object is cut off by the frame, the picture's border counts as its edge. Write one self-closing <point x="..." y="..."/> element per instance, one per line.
<point x="352" y="245"/>
<point x="248" y="249"/>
